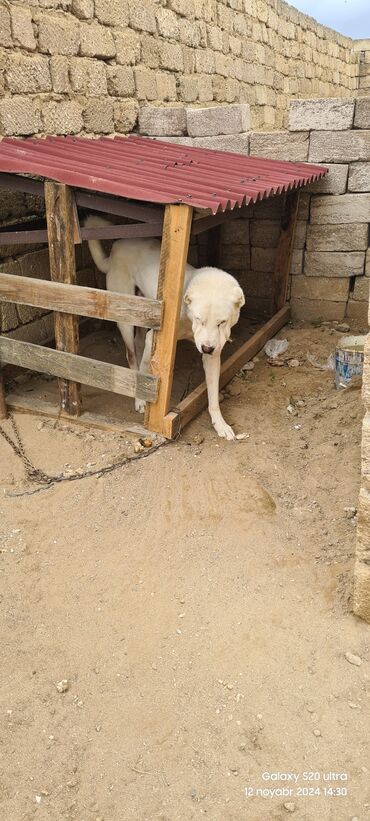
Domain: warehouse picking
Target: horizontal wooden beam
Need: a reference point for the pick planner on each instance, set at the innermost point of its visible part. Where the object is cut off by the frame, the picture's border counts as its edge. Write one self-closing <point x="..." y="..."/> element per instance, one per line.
<point x="95" y="202"/>
<point x="201" y="224"/>
<point x="76" y="299"/>
<point x="77" y="368"/>
<point x="140" y="229"/>
<point x="197" y="399"/>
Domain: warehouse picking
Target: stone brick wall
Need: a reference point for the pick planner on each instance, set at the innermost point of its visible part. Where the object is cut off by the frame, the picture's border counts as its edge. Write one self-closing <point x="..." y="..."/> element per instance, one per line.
<point x="331" y="260"/>
<point x="84" y="66"/>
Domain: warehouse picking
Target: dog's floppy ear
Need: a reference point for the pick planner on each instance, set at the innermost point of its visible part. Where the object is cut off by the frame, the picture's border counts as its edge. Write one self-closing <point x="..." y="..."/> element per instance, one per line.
<point x="188" y="297"/>
<point x="238" y="297"/>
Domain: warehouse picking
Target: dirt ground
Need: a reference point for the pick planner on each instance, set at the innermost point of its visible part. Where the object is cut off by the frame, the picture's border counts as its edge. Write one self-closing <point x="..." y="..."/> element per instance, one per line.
<point x="197" y="603"/>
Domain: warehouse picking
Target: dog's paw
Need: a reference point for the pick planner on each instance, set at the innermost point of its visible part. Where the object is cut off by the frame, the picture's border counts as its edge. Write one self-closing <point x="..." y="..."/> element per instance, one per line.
<point x="224" y="430"/>
<point x="140" y="405"/>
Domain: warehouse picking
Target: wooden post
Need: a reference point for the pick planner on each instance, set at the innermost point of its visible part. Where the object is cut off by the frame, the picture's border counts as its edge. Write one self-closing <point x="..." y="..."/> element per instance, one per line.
<point x="284" y="249"/>
<point x="3" y="409"/>
<point x="60" y="218"/>
<point x="174" y="251"/>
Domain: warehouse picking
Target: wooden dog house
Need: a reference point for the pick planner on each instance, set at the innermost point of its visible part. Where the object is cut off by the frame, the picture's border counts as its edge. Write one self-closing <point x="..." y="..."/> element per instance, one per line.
<point x="170" y="191"/>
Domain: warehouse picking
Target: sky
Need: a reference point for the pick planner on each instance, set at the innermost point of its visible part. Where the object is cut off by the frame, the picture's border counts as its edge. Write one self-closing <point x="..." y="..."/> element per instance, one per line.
<point x="350" y="17"/>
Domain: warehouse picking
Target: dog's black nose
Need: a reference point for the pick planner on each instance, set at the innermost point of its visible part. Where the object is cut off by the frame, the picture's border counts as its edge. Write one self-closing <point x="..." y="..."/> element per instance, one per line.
<point x="207" y="349"/>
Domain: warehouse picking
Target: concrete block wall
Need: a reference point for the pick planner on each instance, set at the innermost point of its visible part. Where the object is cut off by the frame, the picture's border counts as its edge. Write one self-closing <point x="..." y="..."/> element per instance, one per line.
<point x="85" y="66"/>
<point x="330" y="271"/>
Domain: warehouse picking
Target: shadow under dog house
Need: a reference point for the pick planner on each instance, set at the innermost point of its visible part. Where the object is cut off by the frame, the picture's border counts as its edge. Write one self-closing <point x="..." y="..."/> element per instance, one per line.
<point x="170" y="191"/>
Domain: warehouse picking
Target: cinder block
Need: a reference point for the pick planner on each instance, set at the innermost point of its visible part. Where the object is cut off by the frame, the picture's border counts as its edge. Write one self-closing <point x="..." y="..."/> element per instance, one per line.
<point x="270" y="209"/>
<point x="235" y="231"/>
<point x="98" y="116"/>
<point x="175" y="140"/>
<point x="22" y="29"/>
<point x="310" y="309"/>
<point x="362" y="112"/>
<point x="326" y="288"/>
<point x="280" y="145"/>
<point x="35" y="264"/>
<point x="334" y="263"/>
<point x="88" y="76"/>
<point x="8" y="317"/>
<point x="166" y="86"/>
<point x="265" y="233"/>
<point x="300" y="234"/>
<point x="358" y="311"/>
<point x="120" y="81"/>
<point x="5" y="28"/>
<point x="296" y="267"/>
<point x="146" y="84"/>
<point x="341" y="146"/>
<point x="263" y="259"/>
<point x="326" y="114"/>
<point x="83" y="9"/>
<point x="171" y="56"/>
<point x="367" y="263"/>
<point x="185" y="8"/>
<point x="19" y="116"/>
<point x="348" y="237"/>
<point x="359" y="177"/>
<point x="64" y="117"/>
<point x="112" y="12"/>
<point x="127" y="47"/>
<point x="235" y="143"/>
<point x="188" y="88"/>
<point x="27" y="75"/>
<point x="162" y="121"/>
<point x="361" y="290"/>
<point x="38" y="331"/>
<point x="59" y="71"/>
<point x="142" y="15"/>
<point x="59" y="34"/>
<point x="235" y="257"/>
<point x="335" y="182"/>
<point x="219" y="120"/>
<point x="167" y="23"/>
<point x="125" y="115"/>
<point x="346" y="208"/>
<point x="96" y="41"/>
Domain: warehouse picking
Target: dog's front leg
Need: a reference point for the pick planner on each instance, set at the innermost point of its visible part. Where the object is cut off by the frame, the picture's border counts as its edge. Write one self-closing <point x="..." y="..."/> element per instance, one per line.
<point x="212" y="365"/>
<point x="144" y="367"/>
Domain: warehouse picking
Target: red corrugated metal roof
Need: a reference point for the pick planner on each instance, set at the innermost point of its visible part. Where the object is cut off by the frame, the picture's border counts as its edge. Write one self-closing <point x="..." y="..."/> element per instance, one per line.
<point x="157" y="172"/>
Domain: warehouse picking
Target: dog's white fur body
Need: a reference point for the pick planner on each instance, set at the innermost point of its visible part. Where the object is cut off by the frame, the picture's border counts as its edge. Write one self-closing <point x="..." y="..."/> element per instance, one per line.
<point x="210" y="308"/>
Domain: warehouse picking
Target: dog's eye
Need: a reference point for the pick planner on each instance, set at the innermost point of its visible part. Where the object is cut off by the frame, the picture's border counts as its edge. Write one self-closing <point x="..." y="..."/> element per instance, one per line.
<point x="222" y="323"/>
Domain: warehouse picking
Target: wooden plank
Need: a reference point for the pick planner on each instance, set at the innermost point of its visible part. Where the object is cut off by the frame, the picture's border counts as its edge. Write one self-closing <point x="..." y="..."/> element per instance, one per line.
<point x="76" y="368"/>
<point x="15" y="182"/>
<point x="202" y="224"/>
<point x="197" y="399"/>
<point x="174" y="251"/>
<point x="42" y="407"/>
<point x="60" y="225"/>
<point x="121" y="207"/>
<point x="3" y="407"/>
<point x="80" y="300"/>
<point x="283" y="258"/>
<point x="140" y="229"/>
<point x="150" y="229"/>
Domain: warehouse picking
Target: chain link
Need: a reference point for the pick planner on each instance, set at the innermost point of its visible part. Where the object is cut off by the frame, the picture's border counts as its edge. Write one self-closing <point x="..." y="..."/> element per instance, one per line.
<point x="33" y="474"/>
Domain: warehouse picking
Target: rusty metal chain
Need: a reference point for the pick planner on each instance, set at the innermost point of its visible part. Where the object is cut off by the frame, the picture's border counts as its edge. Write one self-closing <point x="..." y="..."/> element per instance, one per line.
<point x="33" y="474"/>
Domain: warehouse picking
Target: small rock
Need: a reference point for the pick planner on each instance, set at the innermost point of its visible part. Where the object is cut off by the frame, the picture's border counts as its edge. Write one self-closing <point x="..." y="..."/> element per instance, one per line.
<point x="289" y="806"/>
<point x="248" y="366"/>
<point x="198" y="439"/>
<point x="353" y="659"/>
<point x="342" y="327"/>
<point x="317" y="733"/>
<point x="138" y="447"/>
<point x="241" y="436"/>
<point x="290" y="408"/>
<point x="353" y="706"/>
<point x="350" y="512"/>
<point x="146" y="443"/>
<point x="293" y="363"/>
<point x="235" y="389"/>
<point x="62" y="686"/>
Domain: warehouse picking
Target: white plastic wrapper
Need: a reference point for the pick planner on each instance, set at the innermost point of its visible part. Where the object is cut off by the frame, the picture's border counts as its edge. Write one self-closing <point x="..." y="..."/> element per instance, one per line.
<point x="275" y="347"/>
<point x="329" y="365"/>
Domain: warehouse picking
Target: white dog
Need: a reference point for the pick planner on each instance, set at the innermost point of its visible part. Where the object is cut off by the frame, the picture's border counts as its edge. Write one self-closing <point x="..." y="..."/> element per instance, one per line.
<point x="211" y="306"/>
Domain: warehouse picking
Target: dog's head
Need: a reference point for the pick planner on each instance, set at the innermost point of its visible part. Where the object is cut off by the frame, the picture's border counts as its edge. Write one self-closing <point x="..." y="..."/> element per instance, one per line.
<point x="214" y="299"/>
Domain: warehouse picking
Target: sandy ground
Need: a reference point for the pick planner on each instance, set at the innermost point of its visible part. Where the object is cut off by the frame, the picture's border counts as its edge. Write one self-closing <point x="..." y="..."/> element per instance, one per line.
<point x="198" y="604"/>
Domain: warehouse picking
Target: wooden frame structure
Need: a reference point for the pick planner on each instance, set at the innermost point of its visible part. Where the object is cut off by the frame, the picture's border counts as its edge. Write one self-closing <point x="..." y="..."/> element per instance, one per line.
<point x="175" y="224"/>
